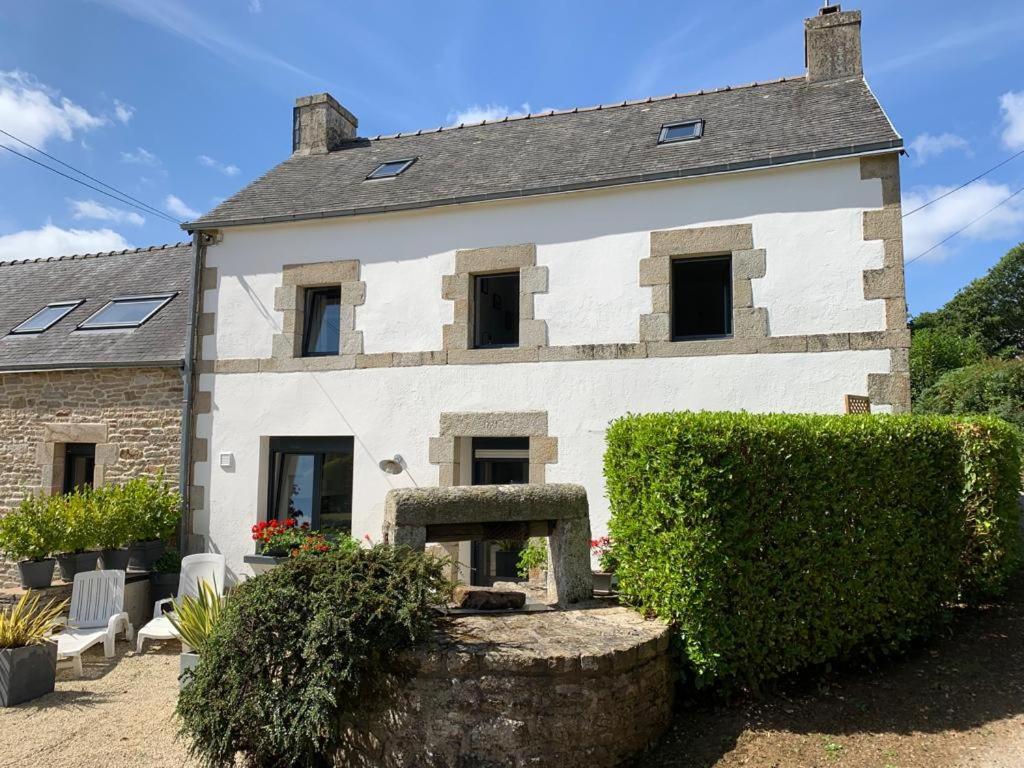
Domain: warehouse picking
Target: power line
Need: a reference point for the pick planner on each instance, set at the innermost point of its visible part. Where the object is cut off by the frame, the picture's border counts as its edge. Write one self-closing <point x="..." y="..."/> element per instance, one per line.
<point x="969" y="224"/>
<point x="122" y="197"/>
<point x="965" y="184"/>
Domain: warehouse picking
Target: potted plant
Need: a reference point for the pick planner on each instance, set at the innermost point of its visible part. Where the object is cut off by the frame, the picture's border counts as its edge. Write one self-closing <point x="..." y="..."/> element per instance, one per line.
<point x="28" y="534"/>
<point x="276" y="540"/>
<point x="603" y="550"/>
<point x="28" y="658"/>
<point x="193" y="619"/>
<point x="113" y="528"/>
<point x="154" y="510"/>
<point x="163" y="579"/>
<point x="77" y="521"/>
<point x="533" y="561"/>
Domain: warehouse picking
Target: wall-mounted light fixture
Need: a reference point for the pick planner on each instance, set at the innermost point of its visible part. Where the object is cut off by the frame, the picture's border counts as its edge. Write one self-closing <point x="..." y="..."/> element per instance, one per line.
<point x="392" y="466"/>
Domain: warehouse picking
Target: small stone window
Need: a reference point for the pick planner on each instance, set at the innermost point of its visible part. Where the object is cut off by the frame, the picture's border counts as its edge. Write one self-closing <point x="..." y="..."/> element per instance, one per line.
<point x="79" y="466"/>
<point x="701" y="298"/>
<point x="496" y="310"/>
<point x="322" y="334"/>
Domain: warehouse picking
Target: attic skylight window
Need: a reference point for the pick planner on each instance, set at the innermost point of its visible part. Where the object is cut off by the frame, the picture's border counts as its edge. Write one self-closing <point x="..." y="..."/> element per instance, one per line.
<point x="46" y="317"/>
<point x="391" y="168"/>
<point x="686" y="131"/>
<point x="127" y="311"/>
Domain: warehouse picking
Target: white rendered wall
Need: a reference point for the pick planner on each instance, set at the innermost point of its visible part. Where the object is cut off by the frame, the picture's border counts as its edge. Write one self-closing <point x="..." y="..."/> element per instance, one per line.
<point x="808" y="218"/>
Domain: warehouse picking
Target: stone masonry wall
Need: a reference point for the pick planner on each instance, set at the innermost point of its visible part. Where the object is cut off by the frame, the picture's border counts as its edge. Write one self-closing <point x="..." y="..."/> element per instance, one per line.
<point x="137" y="412"/>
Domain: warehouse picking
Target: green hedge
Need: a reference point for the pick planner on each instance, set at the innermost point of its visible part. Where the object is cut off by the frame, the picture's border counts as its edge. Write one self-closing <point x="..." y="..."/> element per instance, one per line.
<point x="774" y="542"/>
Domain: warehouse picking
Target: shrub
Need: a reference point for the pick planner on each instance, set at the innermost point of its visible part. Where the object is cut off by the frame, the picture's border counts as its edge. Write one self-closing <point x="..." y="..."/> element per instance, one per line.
<point x="28" y="623"/>
<point x="301" y="646"/>
<point x="934" y="351"/>
<point x="168" y="562"/>
<point x="78" y="521"/>
<point x="778" y="541"/>
<point x="32" y="531"/>
<point x="994" y="387"/>
<point x="533" y="555"/>
<point x="114" y="523"/>
<point x="194" y="618"/>
<point x="152" y="506"/>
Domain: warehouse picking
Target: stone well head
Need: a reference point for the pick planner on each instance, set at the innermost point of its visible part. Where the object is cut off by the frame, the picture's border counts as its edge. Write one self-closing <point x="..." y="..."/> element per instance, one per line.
<point x="559" y="511"/>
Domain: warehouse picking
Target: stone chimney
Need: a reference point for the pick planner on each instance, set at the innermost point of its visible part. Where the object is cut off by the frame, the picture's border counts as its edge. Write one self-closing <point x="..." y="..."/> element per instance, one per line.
<point x="832" y="44"/>
<point x="320" y="125"/>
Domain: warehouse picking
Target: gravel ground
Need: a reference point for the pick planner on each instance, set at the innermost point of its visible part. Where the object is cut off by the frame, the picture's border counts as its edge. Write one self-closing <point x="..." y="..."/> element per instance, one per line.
<point x="119" y="714"/>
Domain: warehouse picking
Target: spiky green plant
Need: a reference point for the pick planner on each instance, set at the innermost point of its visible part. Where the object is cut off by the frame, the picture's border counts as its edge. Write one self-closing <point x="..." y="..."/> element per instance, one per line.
<point x="28" y="623"/>
<point x="195" y="617"/>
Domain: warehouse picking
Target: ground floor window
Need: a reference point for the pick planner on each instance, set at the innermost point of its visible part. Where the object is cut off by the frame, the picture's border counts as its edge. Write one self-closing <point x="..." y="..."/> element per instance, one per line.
<point x="311" y="481"/>
<point x="498" y="461"/>
<point x="79" y="466"/>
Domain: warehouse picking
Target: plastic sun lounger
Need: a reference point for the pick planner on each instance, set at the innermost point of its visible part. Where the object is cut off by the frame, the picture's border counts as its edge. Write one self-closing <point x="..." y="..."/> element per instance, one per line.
<point x="97" y="614"/>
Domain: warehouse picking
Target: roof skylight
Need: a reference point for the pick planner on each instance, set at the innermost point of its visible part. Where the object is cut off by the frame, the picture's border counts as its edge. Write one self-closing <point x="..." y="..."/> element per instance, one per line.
<point x="391" y="168"/>
<point x="46" y="317"/>
<point x="684" y="131"/>
<point x="127" y="311"/>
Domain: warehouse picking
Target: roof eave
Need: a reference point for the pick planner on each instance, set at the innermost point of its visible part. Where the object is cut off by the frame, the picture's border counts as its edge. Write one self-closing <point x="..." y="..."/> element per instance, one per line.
<point x="84" y="366"/>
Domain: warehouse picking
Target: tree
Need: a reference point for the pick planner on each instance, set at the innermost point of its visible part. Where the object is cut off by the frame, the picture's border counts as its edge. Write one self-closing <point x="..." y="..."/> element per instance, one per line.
<point x="934" y="351"/>
<point x="993" y="387"/>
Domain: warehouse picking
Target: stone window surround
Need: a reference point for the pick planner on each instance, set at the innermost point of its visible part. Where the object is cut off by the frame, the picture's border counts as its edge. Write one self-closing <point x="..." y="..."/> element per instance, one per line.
<point x="444" y="449"/>
<point x="735" y="240"/>
<point x="458" y="288"/>
<point x="50" y="452"/>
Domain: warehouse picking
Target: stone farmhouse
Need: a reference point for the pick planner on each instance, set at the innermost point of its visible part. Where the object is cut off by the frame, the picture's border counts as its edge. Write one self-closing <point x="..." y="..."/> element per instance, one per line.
<point x="91" y="361"/>
<point x="474" y="304"/>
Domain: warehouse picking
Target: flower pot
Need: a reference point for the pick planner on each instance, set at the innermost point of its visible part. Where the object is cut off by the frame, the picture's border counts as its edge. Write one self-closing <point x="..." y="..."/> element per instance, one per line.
<point x="71" y="563"/>
<point x="142" y="554"/>
<point x="162" y="585"/>
<point x="603" y="582"/>
<point x="114" y="559"/>
<point x="538" y="576"/>
<point x="263" y="563"/>
<point x="36" y="574"/>
<point x="27" y="673"/>
<point x="188" y="660"/>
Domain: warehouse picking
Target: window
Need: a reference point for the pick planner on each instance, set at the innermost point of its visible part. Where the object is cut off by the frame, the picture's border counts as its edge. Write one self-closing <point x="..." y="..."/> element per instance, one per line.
<point x="498" y="461"/>
<point x="127" y="311"/>
<point x="496" y="310"/>
<point x="311" y="481"/>
<point x="47" y="317"/>
<point x="322" y="334"/>
<point x="79" y="465"/>
<point x="701" y="297"/>
<point x="685" y="131"/>
<point x="391" y="168"/>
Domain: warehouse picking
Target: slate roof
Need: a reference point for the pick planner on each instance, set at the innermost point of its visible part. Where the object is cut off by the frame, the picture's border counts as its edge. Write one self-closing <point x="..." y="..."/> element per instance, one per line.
<point x="759" y="125"/>
<point x="28" y="286"/>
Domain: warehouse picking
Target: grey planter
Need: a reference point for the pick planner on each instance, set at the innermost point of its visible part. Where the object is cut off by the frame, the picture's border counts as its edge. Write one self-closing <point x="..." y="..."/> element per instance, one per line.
<point x="604" y="582"/>
<point x="162" y="585"/>
<point x="142" y="554"/>
<point x="189" y="660"/>
<point x="114" y="559"/>
<point x="36" y="574"/>
<point x="263" y="563"/>
<point x="27" y="673"/>
<point x="76" y="562"/>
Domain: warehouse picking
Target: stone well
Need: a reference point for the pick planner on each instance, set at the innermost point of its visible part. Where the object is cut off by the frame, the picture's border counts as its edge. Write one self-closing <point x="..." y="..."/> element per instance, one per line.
<point x="586" y="687"/>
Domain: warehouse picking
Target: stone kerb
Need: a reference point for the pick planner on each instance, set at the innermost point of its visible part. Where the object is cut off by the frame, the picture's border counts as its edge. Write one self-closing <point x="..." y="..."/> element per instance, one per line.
<point x="413" y="516"/>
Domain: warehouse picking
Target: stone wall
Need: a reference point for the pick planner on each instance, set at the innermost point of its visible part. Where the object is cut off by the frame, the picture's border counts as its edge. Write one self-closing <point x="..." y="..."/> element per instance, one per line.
<point x="134" y="416"/>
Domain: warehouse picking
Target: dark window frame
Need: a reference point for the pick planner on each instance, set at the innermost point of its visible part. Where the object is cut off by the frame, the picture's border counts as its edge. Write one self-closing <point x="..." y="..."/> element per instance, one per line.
<point x="73" y="451"/>
<point x="164" y="298"/>
<point x="666" y="127"/>
<point x="318" y="447"/>
<point x="727" y="258"/>
<point x="311" y="295"/>
<point x="70" y="305"/>
<point x="377" y="175"/>
<point x="475" y="309"/>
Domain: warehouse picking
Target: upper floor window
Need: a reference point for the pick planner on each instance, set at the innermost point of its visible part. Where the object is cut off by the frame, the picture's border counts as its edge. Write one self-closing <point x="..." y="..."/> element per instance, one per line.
<point x="685" y="131"/>
<point x="127" y="311"/>
<point x="496" y="310"/>
<point x="701" y="297"/>
<point x="322" y="334"/>
<point x="46" y="317"/>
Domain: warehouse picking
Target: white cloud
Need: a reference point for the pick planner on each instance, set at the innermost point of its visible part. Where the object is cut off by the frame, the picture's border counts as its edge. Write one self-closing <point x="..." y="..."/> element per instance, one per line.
<point x="35" y="113"/>
<point x="90" y="209"/>
<point x="1012" y="105"/>
<point x="488" y="112"/>
<point x="122" y="111"/>
<point x="140" y="157"/>
<point x="180" y="208"/>
<point x="926" y="145"/>
<point x="931" y="225"/>
<point x="50" y="240"/>
<point x="209" y="162"/>
<point x="255" y="6"/>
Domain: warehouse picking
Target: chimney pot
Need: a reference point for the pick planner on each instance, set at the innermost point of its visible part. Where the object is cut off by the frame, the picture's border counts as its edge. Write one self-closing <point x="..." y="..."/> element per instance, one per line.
<point x="832" y="47"/>
<point x="321" y="125"/>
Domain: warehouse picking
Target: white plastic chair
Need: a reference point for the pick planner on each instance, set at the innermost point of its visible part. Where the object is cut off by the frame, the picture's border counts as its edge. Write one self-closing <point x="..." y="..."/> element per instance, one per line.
<point x="195" y="569"/>
<point x="97" y="614"/>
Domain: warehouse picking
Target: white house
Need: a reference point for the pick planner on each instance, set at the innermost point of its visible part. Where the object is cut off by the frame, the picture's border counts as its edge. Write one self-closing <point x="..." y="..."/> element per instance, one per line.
<point x="481" y="300"/>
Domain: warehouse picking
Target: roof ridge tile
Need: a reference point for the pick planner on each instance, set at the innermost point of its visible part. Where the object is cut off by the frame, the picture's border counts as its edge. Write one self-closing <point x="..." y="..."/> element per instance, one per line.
<point x="96" y="255"/>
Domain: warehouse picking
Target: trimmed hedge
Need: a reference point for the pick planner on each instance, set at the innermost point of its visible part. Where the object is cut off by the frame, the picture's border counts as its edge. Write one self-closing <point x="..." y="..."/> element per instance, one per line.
<point x="773" y="542"/>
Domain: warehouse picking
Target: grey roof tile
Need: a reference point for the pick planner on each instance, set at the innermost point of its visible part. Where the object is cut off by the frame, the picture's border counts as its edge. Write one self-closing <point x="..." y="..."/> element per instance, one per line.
<point x="751" y="126"/>
<point x="28" y="286"/>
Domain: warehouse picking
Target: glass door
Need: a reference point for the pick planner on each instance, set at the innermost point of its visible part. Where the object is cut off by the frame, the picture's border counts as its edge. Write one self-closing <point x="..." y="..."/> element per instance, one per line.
<point x="498" y="461"/>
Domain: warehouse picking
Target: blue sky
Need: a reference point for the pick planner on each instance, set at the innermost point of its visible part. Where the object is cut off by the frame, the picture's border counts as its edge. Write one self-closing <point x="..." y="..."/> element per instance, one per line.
<point x="181" y="103"/>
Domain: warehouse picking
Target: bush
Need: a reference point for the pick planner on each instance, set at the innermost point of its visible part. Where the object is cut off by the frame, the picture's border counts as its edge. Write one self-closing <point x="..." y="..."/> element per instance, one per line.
<point x="934" y="351"/>
<point x="32" y="531"/>
<point x="78" y="519"/>
<point x="152" y="506"/>
<point x="994" y="387"/>
<point x="774" y="542"/>
<point x="301" y="646"/>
